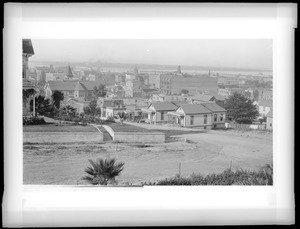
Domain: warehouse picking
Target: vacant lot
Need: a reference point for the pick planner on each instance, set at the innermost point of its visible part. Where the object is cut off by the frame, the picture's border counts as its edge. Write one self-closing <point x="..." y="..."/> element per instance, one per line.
<point x="196" y="150"/>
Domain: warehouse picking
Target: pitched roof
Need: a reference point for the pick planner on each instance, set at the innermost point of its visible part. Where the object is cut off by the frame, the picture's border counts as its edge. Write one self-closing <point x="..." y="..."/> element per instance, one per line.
<point x="62" y="85"/>
<point x="213" y="107"/>
<point x="164" y="106"/>
<point x="270" y="113"/>
<point x="265" y="103"/>
<point x="179" y="103"/>
<point x="27" y="46"/>
<point x="112" y="103"/>
<point x="203" y="97"/>
<point x="195" y="109"/>
<point x="89" y="85"/>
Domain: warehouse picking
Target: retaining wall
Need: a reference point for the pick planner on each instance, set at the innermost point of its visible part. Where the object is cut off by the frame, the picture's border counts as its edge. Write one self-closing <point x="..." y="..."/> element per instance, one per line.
<point x="62" y="137"/>
<point x="136" y="137"/>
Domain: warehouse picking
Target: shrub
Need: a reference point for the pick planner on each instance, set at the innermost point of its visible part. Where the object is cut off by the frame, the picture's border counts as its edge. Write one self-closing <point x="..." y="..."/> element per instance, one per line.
<point x="228" y="177"/>
<point x="103" y="171"/>
<point x="34" y="120"/>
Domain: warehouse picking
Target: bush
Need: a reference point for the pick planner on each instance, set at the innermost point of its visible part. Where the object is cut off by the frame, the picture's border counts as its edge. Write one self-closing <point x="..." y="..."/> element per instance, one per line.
<point x="110" y="119"/>
<point x="33" y="120"/>
<point x="228" y="177"/>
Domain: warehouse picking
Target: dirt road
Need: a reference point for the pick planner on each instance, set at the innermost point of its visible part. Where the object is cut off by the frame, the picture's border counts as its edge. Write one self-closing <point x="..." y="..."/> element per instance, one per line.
<point x="202" y="152"/>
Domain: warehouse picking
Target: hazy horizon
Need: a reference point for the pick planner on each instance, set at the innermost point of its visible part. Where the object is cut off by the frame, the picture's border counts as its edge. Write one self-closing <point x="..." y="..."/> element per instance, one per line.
<point x="255" y="54"/>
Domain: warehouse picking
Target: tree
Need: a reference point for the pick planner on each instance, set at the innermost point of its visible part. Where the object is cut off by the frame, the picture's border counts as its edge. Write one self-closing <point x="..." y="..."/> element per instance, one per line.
<point x="57" y="96"/>
<point x="42" y="105"/>
<point x="92" y="108"/>
<point x="240" y="109"/>
<point x="102" y="171"/>
<point x="122" y="116"/>
<point x="99" y="91"/>
<point x="184" y="91"/>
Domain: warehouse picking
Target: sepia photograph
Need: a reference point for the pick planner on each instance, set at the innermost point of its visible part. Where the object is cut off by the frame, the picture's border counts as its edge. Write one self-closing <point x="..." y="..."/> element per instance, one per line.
<point x="147" y="112"/>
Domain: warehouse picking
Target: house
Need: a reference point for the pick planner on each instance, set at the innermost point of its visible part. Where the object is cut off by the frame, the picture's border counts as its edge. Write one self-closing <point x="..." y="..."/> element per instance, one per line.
<point x="264" y="106"/>
<point x="192" y="115"/>
<point x="111" y="107"/>
<point x="218" y="114"/>
<point x="157" y="111"/>
<point x="270" y="120"/>
<point x="27" y="51"/>
<point x="71" y="89"/>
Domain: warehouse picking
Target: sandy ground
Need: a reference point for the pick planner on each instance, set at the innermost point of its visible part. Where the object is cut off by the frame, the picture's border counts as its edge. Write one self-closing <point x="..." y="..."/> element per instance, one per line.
<point x="204" y="152"/>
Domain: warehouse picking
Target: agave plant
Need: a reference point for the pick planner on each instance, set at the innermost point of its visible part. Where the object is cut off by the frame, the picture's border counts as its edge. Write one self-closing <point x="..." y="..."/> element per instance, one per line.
<point x="102" y="171"/>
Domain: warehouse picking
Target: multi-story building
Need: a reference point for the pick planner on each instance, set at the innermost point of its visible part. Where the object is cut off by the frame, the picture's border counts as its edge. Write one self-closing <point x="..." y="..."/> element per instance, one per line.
<point x="133" y="88"/>
<point x="174" y="84"/>
<point x="154" y="81"/>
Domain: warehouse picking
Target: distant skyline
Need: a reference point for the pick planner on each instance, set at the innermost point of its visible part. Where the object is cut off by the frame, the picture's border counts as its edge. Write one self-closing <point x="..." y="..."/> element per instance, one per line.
<point x="227" y="53"/>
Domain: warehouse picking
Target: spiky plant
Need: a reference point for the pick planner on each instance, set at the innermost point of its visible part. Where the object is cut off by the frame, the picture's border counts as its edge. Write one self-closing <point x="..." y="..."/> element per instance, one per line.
<point x="101" y="171"/>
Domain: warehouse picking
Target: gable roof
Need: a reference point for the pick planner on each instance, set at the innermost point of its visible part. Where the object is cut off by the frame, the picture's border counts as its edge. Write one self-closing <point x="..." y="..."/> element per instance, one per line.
<point x="265" y="103"/>
<point x="27" y="47"/>
<point x="270" y="113"/>
<point x="62" y="85"/>
<point x="203" y="97"/>
<point x="112" y="103"/>
<point x="164" y="106"/>
<point x="213" y="107"/>
<point x="89" y="85"/>
<point x="195" y="109"/>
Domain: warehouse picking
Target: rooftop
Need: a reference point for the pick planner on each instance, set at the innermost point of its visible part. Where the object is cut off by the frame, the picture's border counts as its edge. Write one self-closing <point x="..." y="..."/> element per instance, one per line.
<point x="164" y="106"/>
<point x="195" y="109"/>
<point x="265" y="103"/>
<point x="213" y="107"/>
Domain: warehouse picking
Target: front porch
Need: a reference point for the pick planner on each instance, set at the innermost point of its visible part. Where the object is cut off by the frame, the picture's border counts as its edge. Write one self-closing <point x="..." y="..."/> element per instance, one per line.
<point x="176" y="118"/>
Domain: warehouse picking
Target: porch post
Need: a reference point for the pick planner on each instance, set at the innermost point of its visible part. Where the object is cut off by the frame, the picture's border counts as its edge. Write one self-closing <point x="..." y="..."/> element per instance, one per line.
<point x="34" y="104"/>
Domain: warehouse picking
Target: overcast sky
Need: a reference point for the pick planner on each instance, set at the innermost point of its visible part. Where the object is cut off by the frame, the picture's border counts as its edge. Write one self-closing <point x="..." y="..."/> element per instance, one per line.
<point x="237" y="53"/>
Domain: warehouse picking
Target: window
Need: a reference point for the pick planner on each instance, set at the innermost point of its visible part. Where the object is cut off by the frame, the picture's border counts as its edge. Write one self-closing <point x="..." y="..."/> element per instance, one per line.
<point x="205" y="119"/>
<point x="215" y="117"/>
<point x="81" y="93"/>
<point x="221" y="117"/>
<point x="192" y="120"/>
<point x="162" y="117"/>
<point x="270" y="124"/>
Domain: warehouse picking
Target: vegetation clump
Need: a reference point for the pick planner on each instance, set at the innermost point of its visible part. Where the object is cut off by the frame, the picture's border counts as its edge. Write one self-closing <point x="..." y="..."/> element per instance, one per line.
<point x="228" y="177"/>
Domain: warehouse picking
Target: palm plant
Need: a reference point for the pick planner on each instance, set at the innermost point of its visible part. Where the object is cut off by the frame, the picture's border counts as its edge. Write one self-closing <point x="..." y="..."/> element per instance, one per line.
<point x="103" y="171"/>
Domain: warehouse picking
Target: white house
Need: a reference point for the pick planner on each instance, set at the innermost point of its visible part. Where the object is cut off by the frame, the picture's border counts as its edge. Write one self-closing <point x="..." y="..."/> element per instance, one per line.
<point x="193" y="115"/>
<point x="264" y="106"/>
<point x="157" y="112"/>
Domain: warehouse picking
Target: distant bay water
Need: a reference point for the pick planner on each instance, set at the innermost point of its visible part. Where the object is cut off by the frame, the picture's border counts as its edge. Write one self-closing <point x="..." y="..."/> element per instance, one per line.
<point x="160" y="69"/>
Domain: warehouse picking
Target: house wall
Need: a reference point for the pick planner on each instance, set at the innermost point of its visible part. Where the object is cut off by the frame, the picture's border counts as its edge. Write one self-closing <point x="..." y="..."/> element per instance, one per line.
<point x="263" y="111"/>
<point x="269" y="123"/>
<point x="198" y="120"/>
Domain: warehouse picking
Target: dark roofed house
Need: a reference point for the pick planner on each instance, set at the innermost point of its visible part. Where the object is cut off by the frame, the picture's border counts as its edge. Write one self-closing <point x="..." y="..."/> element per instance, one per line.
<point x="199" y="115"/>
<point x="157" y="111"/>
<point x="111" y="107"/>
<point x="70" y="89"/>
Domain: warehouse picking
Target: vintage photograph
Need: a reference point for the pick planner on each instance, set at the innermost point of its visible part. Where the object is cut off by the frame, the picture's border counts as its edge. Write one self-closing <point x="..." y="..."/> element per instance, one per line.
<point x="136" y="112"/>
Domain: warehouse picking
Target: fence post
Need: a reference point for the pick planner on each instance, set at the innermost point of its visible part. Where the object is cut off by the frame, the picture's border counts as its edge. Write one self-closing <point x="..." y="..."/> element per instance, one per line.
<point x="179" y="168"/>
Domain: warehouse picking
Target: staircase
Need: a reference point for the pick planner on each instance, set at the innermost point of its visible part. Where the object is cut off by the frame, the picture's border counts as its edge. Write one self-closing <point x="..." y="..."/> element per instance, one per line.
<point x="106" y="135"/>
